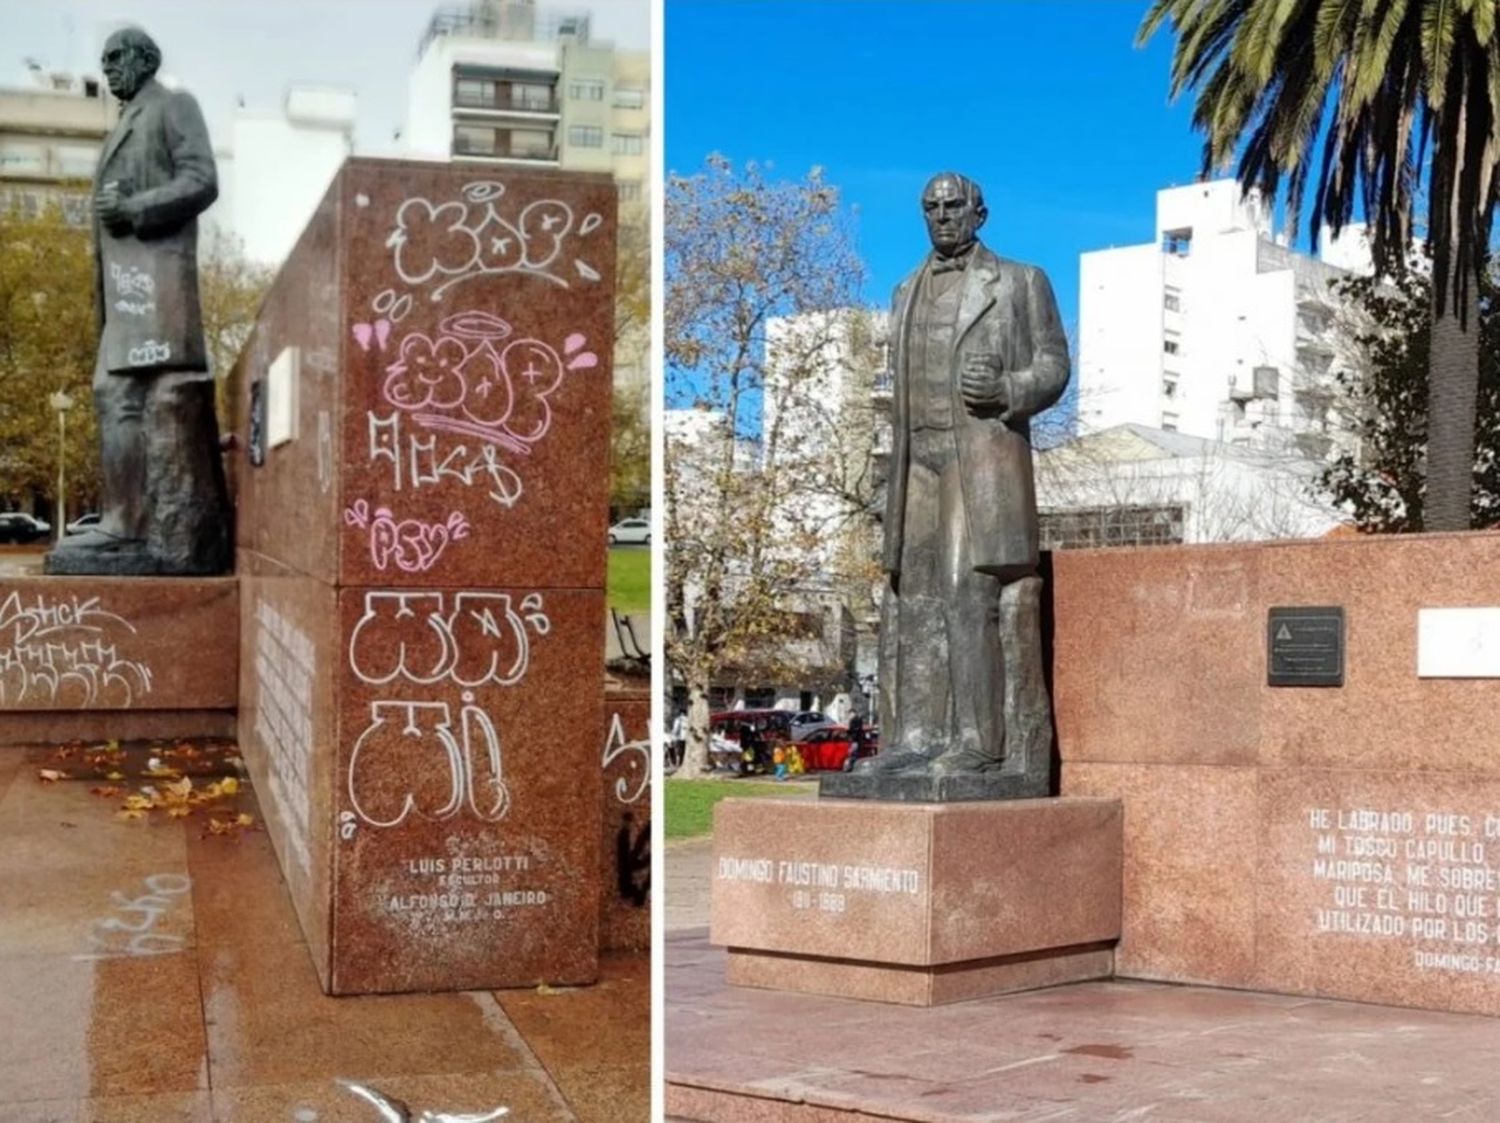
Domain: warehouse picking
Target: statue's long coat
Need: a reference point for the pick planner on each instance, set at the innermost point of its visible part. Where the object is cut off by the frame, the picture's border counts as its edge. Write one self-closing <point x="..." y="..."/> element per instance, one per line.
<point x="1006" y="309"/>
<point x="161" y="152"/>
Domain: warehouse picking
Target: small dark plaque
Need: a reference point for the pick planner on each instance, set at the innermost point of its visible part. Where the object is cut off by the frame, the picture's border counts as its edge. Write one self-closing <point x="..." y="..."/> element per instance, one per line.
<point x="257" y="423"/>
<point x="1305" y="647"/>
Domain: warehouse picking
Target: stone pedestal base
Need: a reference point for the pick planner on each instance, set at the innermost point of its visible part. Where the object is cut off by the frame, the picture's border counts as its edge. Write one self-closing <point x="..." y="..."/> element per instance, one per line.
<point x="79" y="655"/>
<point x="921" y="986"/>
<point x="916" y="903"/>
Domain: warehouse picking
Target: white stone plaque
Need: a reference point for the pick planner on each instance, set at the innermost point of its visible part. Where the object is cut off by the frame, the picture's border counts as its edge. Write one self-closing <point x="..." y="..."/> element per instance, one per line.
<point x="1458" y="643"/>
<point x="281" y="408"/>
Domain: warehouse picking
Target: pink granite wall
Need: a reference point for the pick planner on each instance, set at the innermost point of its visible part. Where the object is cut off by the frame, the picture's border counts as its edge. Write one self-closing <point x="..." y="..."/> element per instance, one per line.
<point x="423" y="563"/>
<point x="1342" y="842"/>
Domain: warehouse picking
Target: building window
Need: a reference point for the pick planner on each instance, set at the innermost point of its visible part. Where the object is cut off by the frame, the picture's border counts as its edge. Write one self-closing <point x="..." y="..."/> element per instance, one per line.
<point x="1172" y="300"/>
<point x="586" y="136"/>
<point x="487" y="140"/>
<point x="22" y="159"/>
<point x="489" y="93"/>
<point x="473" y="140"/>
<point x="473" y="91"/>
<point x="1177" y="242"/>
<point x="1112" y="526"/>
<point x="1169" y="422"/>
<point x="627" y="144"/>
<point x="1170" y="346"/>
<point x="630" y="191"/>
<point x="1169" y="387"/>
<point x="532" y="97"/>
<point x="586" y="89"/>
<point x="630" y="97"/>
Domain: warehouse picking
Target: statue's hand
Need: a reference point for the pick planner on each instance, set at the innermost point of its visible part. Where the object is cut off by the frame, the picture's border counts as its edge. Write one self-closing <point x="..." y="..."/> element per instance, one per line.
<point x="982" y="383"/>
<point x="114" y="210"/>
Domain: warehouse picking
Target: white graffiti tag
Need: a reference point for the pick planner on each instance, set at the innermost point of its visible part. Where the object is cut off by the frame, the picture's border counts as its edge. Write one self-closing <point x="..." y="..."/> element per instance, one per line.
<point x="453" y="241"/>
<point x="635" y="758"/>
<point x="130" y="281"/>
<point x="447" y="770"/>
<point x="131" y="932"/>
<point x="151" y="351"/>
<point x="482" y="640"/>
<point x="62" y="651"/>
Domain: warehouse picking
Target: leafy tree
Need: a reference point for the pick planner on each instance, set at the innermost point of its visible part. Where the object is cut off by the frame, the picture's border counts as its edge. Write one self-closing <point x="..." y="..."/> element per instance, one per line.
<point x="47" y="344"/>
<point x="1389" y="326"/>
<point x="230" y="291"/>
<point x="742" y="249"/>
<point x="1378" y="94"/>
<point x="630" y="449"/>
<point x="630" y="441"/>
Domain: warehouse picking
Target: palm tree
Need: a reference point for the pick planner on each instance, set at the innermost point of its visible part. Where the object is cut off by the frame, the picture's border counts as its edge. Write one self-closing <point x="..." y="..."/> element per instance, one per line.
<point x="1376" y="93"/>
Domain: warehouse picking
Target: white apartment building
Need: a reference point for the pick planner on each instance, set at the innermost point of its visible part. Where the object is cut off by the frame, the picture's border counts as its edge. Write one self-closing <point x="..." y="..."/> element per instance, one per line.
<point x="501" y="82"/>
<point x="1216" y="329"/>
<point x="277" y="167"/>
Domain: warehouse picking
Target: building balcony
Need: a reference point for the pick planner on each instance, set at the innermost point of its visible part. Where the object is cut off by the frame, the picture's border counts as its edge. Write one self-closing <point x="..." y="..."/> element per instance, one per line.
<point x="529" y="104"/>
<point x="528" y="153"/>
<point x="884" y="386"/>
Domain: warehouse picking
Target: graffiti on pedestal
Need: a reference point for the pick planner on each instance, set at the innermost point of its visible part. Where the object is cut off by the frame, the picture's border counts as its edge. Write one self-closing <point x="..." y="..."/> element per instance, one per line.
<point x="438" y="757"/>
<point x="64" y="651"/>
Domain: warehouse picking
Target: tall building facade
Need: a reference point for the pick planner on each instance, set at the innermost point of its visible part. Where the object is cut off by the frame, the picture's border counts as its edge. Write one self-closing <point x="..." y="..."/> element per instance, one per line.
<point x="51" y="135"/>
<point x="502" y="82"/>
<point x="1216" y="329"/>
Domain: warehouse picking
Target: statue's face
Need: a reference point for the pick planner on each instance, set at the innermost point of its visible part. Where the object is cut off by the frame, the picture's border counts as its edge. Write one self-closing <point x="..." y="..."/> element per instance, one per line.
<point x="953" y="221"/>
<point x="126" y="67"/>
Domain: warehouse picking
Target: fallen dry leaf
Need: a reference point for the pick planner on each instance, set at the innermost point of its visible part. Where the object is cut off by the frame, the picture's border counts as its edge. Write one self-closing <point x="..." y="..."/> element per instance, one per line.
<point x="115" y="776"/>
<point x="179" y="812"/>
<point x="50" y="775"/>
<point x="130" y="813"/>
<point x="105" y="792"/>
<point x="180" y="788"/>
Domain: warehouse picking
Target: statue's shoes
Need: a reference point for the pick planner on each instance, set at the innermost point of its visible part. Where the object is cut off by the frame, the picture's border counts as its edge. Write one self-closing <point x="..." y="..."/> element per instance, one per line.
<point x="896" y="760"/>
<point x="95" y="553"/>
<point x="95" y="541"/>
<point x="957" y="762"/>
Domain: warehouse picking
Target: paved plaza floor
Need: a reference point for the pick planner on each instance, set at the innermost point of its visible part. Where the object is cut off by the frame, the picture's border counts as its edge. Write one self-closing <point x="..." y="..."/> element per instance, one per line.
<point x="1109" y="1051"/>
<point x="153" y="972"/>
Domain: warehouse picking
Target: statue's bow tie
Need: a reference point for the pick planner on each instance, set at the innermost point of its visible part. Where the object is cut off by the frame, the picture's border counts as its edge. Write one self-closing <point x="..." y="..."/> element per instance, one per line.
<point x="949" y="264"/>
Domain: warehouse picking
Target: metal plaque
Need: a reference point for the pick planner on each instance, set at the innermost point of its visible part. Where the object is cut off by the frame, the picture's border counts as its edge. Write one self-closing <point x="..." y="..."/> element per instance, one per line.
<point x="1305" y="647"/>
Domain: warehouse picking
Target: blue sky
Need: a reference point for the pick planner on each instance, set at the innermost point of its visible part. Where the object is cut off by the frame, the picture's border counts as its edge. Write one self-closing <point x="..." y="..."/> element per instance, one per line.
<point x="1047" y="103"/>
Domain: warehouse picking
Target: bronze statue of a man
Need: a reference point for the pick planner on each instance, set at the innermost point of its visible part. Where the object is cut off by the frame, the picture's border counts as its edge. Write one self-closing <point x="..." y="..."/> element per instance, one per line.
<point x="165" y="507"/>
<point x="978" y="348"/>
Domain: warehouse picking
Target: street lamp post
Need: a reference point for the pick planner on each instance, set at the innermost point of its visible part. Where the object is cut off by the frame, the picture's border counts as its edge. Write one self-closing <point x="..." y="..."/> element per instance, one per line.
<point x="62" y="402"/>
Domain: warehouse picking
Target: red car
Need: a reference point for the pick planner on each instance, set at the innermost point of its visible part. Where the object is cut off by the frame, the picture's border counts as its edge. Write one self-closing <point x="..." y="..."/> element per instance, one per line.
<point x="827" y="750"/>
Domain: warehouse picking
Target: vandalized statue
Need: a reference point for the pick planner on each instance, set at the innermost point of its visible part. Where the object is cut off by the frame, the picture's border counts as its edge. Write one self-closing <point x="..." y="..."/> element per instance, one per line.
<point x="977" y="348"/>
<point x="165" y="507"/>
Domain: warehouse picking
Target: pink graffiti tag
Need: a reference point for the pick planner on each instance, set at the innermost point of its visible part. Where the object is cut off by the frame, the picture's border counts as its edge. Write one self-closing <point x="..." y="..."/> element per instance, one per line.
<point x="412" y="544"/>
<point x="466" y="383"/>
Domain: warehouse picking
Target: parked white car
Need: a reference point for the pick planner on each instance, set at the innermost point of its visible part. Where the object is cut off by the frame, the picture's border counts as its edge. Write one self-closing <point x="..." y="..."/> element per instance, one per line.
<point x="83" y="522"/>
<point x="629" y="532"/>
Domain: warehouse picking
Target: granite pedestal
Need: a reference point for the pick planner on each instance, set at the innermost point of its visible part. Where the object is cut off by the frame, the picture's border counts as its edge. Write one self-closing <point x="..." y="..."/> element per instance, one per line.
<point x="117" y="657"/>
<point x="1338" y="842"/>
<point x="916" y="903"/>
<point x="625" y="846"/>
<point x="424" y="409"/>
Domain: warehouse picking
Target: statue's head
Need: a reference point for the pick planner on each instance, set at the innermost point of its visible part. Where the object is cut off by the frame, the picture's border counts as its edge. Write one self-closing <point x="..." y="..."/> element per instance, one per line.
<point x="953" y="206"/>
<point x="130" y="58"/>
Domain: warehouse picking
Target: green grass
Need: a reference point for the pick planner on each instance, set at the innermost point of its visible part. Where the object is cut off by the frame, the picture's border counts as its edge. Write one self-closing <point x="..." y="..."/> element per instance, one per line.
<point x="629" y="582"/>
<point x="690" y="803"/>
